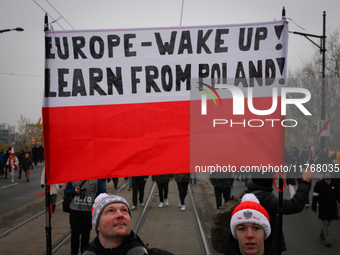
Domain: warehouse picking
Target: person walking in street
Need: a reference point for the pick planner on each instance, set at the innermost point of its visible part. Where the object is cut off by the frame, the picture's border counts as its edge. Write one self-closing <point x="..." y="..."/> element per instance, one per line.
<point x="193" y="178"/>
<point x="41" y="154"/>
<point x="2" y="163"/>
<point x="21" y="158"/>
<point x="83" y="193"/>
<point x="6" y="157"/>
<point x="12" y="164"/>
<point x="326" y="193"/>
<point x="163" y="187"/>
<point x="182" y="185"/>
<point x="27" y="165"/>
<point x="35" y="154"/>
<point x="222" y="183"/>
<point x="115" y="182"/>
<point x="138" y="186"/>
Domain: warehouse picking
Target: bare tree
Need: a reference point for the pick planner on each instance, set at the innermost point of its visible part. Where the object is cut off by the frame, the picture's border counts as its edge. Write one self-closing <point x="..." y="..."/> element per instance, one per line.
<point x="29" y="133"/>
<point x="309" y="76"/>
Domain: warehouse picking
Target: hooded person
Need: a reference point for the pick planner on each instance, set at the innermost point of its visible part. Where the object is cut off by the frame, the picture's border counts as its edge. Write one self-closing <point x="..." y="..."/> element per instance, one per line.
<point x="250" y="228"/>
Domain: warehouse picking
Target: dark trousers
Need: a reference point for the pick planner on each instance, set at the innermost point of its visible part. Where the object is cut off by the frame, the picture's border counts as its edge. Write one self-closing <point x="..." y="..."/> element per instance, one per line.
<point x="138" y="186"/>
<point x="183" y="190"/>
<point x="1" y="169"/>
<point x="20" y="171"/>
<point x="115" y="182"/>
<point x="35" y="159"/>
<point x="5" y="171"/>
<point x="163" y="189"/>
<point x="80" y="230"/>
<point x="218" y="195"/>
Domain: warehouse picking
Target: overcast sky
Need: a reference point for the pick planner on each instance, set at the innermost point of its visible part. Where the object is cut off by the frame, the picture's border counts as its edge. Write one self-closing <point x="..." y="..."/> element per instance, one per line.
<point x="22" y="53"/>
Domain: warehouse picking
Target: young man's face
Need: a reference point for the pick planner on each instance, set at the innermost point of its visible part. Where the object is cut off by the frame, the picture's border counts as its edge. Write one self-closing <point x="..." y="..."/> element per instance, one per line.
<point x="250" y="237"/>
<point x="114" y="222"/>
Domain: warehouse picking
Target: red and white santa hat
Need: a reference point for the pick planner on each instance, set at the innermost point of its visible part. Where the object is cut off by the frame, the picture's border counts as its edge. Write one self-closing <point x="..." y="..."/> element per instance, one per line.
<point x="250" y="211"/>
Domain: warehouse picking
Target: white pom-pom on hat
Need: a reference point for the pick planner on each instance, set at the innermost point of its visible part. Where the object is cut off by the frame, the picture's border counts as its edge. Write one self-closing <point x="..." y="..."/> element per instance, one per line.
<point x="250" y="197"/>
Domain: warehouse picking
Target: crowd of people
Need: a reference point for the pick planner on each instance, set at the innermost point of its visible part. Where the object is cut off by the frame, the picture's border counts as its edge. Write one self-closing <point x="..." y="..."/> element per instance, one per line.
<point x="254" y="222"/>
<point x="12" y="162"/>
<point x="307" y="153"/>
<point x="247" y="235"/>
<point x="91" y="207"/>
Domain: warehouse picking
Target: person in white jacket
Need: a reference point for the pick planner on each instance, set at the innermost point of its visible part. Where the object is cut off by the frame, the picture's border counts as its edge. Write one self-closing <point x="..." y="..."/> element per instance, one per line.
<point x="54" y="189"/>
<point x="12" y="164"/>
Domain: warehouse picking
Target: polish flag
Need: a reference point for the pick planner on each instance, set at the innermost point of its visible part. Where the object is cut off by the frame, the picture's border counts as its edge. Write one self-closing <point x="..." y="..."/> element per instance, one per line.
<point x="312" y="152"/>
<point x="117" y="103"/>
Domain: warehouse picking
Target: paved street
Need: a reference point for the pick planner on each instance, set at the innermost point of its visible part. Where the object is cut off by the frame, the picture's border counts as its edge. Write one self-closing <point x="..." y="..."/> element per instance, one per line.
<point x="19" y="193"/>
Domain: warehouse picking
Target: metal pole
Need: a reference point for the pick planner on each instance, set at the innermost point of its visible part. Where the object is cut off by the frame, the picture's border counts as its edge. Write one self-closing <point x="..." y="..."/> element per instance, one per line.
<point x="280" y="216"/>
<point x="48" y="227"/>
<point x="280" y="205"/>
<point x="323" y="50"/>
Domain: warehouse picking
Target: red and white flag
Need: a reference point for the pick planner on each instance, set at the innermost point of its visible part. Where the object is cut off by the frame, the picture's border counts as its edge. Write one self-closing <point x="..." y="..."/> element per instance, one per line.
<point x="312" y="152"/>
<point x="117" y="103"/>
<point x="12" y="152"/>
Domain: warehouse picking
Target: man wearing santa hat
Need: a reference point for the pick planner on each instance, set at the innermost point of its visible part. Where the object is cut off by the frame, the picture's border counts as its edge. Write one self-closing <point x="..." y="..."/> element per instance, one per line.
<point x="250" y="228"/>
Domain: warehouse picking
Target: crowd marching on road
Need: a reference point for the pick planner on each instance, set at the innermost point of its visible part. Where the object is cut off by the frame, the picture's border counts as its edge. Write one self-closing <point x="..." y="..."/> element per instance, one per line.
<point x="21" y="162"/>
<point x="89" y="206"/>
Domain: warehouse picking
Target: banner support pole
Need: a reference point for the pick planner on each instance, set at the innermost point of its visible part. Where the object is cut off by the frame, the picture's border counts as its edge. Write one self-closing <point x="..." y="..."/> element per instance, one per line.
<point x="280" y="205"/>
<point x="48" y="227"/>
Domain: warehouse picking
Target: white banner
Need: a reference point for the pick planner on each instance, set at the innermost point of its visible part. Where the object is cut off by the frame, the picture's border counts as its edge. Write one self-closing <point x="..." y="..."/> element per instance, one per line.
<point x="104" y="67"/>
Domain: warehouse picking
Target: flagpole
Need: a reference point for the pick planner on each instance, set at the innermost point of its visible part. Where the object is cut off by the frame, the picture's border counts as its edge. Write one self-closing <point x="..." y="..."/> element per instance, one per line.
<point x="48" y="227"/>
<point x="280" y="205"/>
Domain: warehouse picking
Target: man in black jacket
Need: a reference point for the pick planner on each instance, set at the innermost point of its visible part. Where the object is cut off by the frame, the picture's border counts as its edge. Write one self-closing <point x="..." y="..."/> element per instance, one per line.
<point x="326" y="193"/>
<point x="270" y="202"/>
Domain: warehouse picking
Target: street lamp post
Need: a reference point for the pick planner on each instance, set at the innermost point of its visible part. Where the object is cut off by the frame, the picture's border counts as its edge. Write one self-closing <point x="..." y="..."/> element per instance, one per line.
<point x="19" y="29"/>
<point x="322" y="48"/>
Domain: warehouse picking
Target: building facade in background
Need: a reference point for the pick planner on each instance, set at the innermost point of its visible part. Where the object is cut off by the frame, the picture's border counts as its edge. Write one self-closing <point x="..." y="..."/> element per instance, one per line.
<point x="7" y="134"/>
